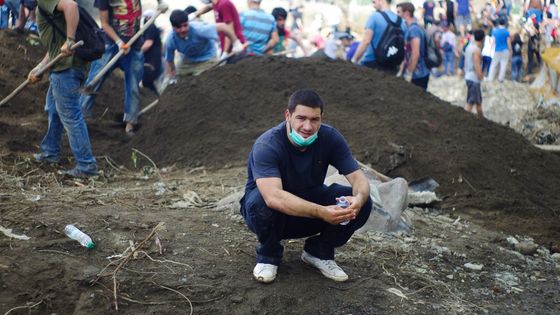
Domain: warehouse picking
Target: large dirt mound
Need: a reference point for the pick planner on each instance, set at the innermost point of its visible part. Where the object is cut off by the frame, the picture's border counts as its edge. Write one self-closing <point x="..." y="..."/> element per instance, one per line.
<point x="213" y="119"/>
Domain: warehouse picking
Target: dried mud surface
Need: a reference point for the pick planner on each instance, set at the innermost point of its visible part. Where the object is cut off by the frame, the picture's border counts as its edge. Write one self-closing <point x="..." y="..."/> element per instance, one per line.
<point x="493" y="183"/>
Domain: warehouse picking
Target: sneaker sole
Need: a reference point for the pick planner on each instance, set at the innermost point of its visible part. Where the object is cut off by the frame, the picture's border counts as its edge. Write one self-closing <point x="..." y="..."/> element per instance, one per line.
<point x="323" y="273"/>
<point x="263" y="280"/>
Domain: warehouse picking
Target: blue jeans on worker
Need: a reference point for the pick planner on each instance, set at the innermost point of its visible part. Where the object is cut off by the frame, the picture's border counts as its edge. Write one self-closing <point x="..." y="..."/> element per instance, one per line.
<point x="10" y="7"/>
<point x="62" y="107"/>
<point x="516" y="68"/>
<point x="132" y="64"/>
<point x="272" y="226"/>
<point x="449" y="62"/>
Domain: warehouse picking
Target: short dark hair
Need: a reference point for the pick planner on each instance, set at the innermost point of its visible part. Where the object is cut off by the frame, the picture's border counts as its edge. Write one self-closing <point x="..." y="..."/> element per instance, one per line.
<point x="478" y="35"/>
<point x="502" y="21"/>
<point x="307" y="98"/>
<point x="406" y="7"/>
<point x="178" y="17"/>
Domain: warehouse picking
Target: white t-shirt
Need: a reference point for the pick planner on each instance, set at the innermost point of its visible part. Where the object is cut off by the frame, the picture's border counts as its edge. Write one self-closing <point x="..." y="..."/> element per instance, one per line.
<point x="487" y="49"/>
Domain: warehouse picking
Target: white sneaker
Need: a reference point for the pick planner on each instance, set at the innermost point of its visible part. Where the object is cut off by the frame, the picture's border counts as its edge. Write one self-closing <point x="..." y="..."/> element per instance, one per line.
<point x="265" y="273"/>
<point x="328" y="268"/>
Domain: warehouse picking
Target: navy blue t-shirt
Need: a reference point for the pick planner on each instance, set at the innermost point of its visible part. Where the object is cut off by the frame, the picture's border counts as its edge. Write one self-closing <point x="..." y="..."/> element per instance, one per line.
<point x="273" y="155"/>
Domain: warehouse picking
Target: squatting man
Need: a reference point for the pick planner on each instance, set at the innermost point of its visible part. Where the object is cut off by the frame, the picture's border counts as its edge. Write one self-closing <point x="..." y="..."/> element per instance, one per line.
<point x="285" y="197"/>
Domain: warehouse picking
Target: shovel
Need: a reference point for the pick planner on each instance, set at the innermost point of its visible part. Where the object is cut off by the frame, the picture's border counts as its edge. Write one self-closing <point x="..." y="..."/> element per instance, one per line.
<point x="39" y="73"/>
<point x="89" y="89"/>
<point x="423" y="184"/>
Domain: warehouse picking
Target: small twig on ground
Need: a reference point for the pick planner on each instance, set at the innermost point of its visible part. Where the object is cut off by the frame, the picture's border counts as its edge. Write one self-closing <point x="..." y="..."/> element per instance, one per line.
<point x="30" y="172"/>
<point x="181" y="294"/>
<point x="123" y="261"/>
<point x="468" y="183"/>
<point x="23" y="306"/>
<point x="165" y="260"/>
<point x="151" y="161"/>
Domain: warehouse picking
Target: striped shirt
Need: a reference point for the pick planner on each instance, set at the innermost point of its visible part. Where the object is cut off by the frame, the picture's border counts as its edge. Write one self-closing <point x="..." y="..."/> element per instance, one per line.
<point x="258" y="27"/>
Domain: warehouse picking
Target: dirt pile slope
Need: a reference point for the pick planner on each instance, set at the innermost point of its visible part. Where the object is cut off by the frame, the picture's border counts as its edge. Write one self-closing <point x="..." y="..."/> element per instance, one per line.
<point x="213" y="119"/>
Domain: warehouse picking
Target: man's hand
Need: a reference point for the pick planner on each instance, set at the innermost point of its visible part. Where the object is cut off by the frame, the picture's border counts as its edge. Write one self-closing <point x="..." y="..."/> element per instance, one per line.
<point x="193" y="16"/>
<point x="336" y="215"/>
<point x="355" y="206"/>
<point x="123" y="46"/>
<point x="34" y="75"/>
<point x="66" y="49"/>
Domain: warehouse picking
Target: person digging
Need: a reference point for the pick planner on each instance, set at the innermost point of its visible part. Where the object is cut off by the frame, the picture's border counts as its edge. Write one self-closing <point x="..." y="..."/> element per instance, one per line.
<point x="196" y="43"/>
<point x="285" y="197"/>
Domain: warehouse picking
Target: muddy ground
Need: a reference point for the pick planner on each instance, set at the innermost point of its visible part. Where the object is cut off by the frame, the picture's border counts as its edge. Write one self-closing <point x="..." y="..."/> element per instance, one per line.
<point x="495" y="185"/>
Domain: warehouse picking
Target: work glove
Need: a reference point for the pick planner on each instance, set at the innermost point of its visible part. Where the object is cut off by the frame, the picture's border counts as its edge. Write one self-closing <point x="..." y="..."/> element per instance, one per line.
<point x="354" y="61"/>
<point x="34" y="76"/>
<point x="162" y="7"/>
<point x="123" y="46"/>
<point x="237" y="47"/>
<point x="193" y="16"/>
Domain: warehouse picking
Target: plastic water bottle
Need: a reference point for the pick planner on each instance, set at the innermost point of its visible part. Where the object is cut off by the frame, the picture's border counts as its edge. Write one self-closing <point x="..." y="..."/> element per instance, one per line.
<point x="74" y="233"/>
<point x="343" y="203"/>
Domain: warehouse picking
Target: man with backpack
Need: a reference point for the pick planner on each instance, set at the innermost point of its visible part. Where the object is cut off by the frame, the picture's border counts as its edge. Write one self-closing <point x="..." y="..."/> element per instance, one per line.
<point x="416" y="69"/>
<point x="120" y="20"/>
<point x="62" y="102"/>
<point x="383" y="40"/>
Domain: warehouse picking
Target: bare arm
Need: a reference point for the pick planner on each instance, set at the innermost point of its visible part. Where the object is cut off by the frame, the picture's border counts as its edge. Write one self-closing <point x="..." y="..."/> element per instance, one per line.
<point x="228" y="31"/>
<point x="509" y="46"/>
<point x="170" y="69"/>
<point x="477" y="60"/>
<point x="414" y="55"/>
<point x="204" y="10"/>
<point x="227" y="41"/>
<point x="274" y="39"/>
<point x="71" y="16"/>
<point x="278" y="199"/>
<point x="147" y="45"/>
<point x="360" y="190"/>
<point x="104" y="18"/>
<point x="366" y="40"/>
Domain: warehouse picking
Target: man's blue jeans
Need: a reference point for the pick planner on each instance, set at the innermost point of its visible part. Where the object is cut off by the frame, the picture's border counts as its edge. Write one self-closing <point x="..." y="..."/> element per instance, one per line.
<point x="132" y="64"/>
<point x="449" y="62"/>
<point x="272" y="226"/>
<point x="62" y="107"/>
<point x="9" y="7"/>
<point x="516" y="68"/>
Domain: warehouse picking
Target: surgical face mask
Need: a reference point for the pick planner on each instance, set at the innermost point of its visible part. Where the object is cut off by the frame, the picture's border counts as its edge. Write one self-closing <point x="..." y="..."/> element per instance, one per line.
<point x="301" y="141"/>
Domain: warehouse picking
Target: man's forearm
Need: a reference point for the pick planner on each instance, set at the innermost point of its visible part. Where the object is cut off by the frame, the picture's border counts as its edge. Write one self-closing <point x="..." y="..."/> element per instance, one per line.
<point x="413" y="62"/>
<point x="104" y="18"/>
<point x="293" y="205"/>
<point x="72" y="18"/>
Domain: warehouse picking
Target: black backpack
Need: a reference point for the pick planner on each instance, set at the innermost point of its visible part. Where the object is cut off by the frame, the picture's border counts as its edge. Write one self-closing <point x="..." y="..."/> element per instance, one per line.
<point x="432" y="56"/>
<point x="390" y="49"/>
<point x="87" y="31"/>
